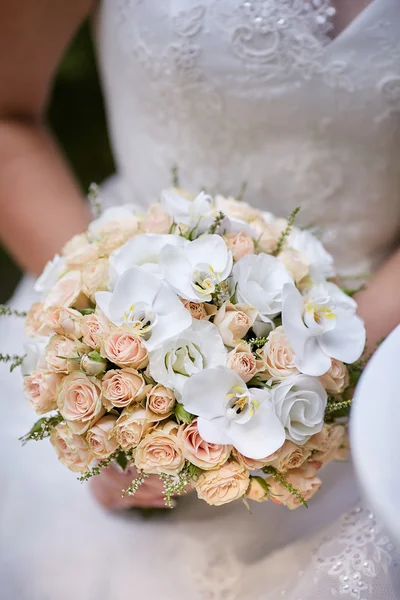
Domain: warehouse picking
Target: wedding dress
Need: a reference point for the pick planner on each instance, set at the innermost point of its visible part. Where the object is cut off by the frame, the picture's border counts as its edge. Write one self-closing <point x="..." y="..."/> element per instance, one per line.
<point x="228" y="91"/>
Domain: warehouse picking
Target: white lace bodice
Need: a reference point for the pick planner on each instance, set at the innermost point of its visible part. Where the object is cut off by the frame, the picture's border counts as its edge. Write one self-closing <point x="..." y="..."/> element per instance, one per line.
<point x="255" y="91"/>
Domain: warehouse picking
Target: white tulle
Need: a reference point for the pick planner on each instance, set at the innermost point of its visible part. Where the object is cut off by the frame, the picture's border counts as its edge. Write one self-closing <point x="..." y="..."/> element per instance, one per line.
<point x="229" y="92"/>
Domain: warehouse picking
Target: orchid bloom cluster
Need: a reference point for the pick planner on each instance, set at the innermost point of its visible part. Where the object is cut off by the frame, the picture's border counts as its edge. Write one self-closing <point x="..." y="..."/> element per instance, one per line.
<point x="204" y="341"/>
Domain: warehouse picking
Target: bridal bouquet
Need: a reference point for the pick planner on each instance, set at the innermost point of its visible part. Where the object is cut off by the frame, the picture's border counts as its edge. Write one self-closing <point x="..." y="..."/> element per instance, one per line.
<point x="204" y="341"/>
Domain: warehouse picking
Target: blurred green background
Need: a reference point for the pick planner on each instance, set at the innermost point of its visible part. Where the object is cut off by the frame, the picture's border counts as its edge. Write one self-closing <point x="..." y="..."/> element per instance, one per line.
<point x="76" y="116"/>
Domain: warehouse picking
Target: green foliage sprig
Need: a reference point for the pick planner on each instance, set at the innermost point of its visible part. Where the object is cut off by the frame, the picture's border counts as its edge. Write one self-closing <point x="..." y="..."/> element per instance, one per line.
<point x="285" y="234"/>
<point x="15" y="359"/>
<point x="95" y="200"/>
<point x="257" y="342"/>
<point x="214" y="227"/>
<point x="175" y="177"/>
<point x="336" y="407"/>
<point x="175" y="485"/>
<point x="135" y="485"/>
<point x="280" y="478"/>
<point x="242" y="192"/>
<point x="42" y="428"/>
<point x="181" y="415"/>
<point x="7" y="311"/>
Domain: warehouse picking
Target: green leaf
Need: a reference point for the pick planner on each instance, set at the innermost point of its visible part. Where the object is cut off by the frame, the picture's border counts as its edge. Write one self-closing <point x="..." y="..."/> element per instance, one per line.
<point x="181" y="414"/>
<point x="86" y="311"/>
<point x="194" y="471"/>
<point x="121" y="459"/>
<point x="262" y="482"/>
<point x="42" y="428"/>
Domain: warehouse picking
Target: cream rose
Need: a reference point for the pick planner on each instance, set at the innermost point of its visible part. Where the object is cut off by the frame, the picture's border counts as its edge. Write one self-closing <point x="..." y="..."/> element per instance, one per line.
<point x="130" y="427"/>
<point x="124" y="349"/>
<point x="289" y="456"/>
<point x="268" y="234"/>
<point x="278" y="356"/>
<point x="95" y="278"/>
<point x="199" y="310"/>
<point x="243" y="362"/>
<point x="160" y="451"/>
<point x="94" y="327"/>
<point x="93" y="364"/>
<point x="64" y="321"/>
<point x="223" y="485"/>
<point x="257" y="490"/>
<point x="160" y="402"/>
<point x="99" y="438"/>
<point x="239" y="244"/>
<point x="295" y="262"/>
<point x="156" y="220"/>
<point x="34" y="322"/>
<point x="336" y="380"/>
<point x="41" y="390"/>
<point x="79" y="251"/>
<point x="121" y="387"/>
<point x="79" y="401"/>
<point x="115" y="234"/>
<point x="199" y="452"/>
<point x="67" y="292"/>
<point x="71" y="449"/>
<point x="234" y="321"/>
<point x="304" y="480"/>
<point x="236" y="209"/>
<point x="330" y="444"/>
<point x="63" y="355"/>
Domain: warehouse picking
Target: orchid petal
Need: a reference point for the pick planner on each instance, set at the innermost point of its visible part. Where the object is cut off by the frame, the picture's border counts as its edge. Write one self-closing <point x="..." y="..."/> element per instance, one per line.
<point x="292" y="319"/>
<point x="205" y="393"/>
<point x="314" y="360"/>
<point x="214" y="431"/>
<point x="347" y="341"/>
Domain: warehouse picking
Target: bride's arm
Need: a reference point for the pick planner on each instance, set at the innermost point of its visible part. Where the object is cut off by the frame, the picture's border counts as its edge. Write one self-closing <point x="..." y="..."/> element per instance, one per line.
<point x="41" y="206"/>
<point x="379" y="303"/>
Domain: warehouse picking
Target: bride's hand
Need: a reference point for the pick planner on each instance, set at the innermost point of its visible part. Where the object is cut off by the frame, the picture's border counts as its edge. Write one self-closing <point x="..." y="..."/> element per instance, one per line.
<point x="107" y="489"/>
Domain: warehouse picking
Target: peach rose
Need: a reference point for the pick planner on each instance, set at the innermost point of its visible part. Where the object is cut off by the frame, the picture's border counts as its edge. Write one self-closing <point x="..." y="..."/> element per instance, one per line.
<point x="71" y="449"/>
<point x="200" y="310"/>
<point x="336" y="380"/>
<point x="278" y="356"/>
<point x="160" y="402"/>
<point x="64" y="321"/>
<point x="93" y="364"/>
<point x="223" y="485"/>
<point x="63" y="355"/>
<point x="95" y="278"/>
<point x="121" y="387"/>
<point x="257" y="490"/>
<point x="304" y="480"/>
<point x="79" y="251"/>
<point x="239" y="244"/>
<point x="99" y="439"/>
<point x="234" y="321"/>
<point x="94" y="327"/>
<point x="329" y="444"/>
<point x="125" y="349"/>
<point x="251" y="464"/>
<point x="160" y="451"/>
<point x="79" y="401"/>
<point x="289" y="456"/>
<point x="268" y="234"/>
<point x="199" y="452"/>
<point x="34" y="322"/>
<point x="236" y="209"/>
<point x="243" y="362"/>
<point x="41" y="390"/>
<point x="156" y="220"/>
<point x="130" y="427"/>
<point x="295" y="262"/>
<point x="115" y="234"/>
<point x="67" y="292"/>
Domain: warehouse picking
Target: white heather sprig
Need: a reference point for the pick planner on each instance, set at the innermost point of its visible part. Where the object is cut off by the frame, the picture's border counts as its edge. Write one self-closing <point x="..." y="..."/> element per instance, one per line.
<point x="175" y="485"/>
<point x="95" y="200"/>
<point x="135" y="485"/>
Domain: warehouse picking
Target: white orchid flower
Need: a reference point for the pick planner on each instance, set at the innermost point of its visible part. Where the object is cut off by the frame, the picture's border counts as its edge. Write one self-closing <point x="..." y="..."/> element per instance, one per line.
<point x="300" y="403"/>
<point x="144" y="303"/>
<point x="231" y="413"/>
<point x="260" y="279"/>
<point x="51" y="274"/>
<point x="141" y="251"/>
<point x="195" y="270"/>
<point x="178" y="359"/>
<point x="320" y="326"/>
<point x="320" y="261"/>
<point x="182" y="210"/>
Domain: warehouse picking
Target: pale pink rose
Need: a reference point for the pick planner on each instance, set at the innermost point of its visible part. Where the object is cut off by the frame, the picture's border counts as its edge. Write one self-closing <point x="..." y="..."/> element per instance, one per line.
<point x="79" y="401"/>
<point x="236" y="209"/>
<point x="64" y="321"/>
<point x="156" y="220"/>
<point x="95" y="278"/>
<point x="336" y="380"/>
<point x="200" y="310"/>
<point x="160" y="451"/>
<point x="34" y="323"/>
<point x="223" y="485"/>
<point x="234" y="321"/>
<point x="304" y="480"/>
<point x="268" y="234"/>
<point x="99" y="438"/>
<point x="94" y="327"/>
<point x="295" y="262"/>
<point x="130" y="427"/>
<point x="330" y="444"/>
<point x="160" y="402"/>
<point x="93" y="364"/>
<point x="257" y="490"/>
<point x="125" y="349"/>
<point x="289" y="456"/>
<point x="115" y="234"/>
<point x="278" y="355"/>
<point x="41" y="390"/>
<point x="252" y="464"/>
<point x="71" y="449"/>
<point x="121" y="387"/>
<point x="239" y="244"/>
<point x="79" y="251"/>
<point x="243" y="362"/>
<point x="200" y="453"/>
<point x="67" y="292"/>
<point x="63" y="354"/>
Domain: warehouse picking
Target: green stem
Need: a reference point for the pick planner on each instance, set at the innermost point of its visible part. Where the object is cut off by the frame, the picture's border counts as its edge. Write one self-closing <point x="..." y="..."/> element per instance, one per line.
<point x="280" y="478"/>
